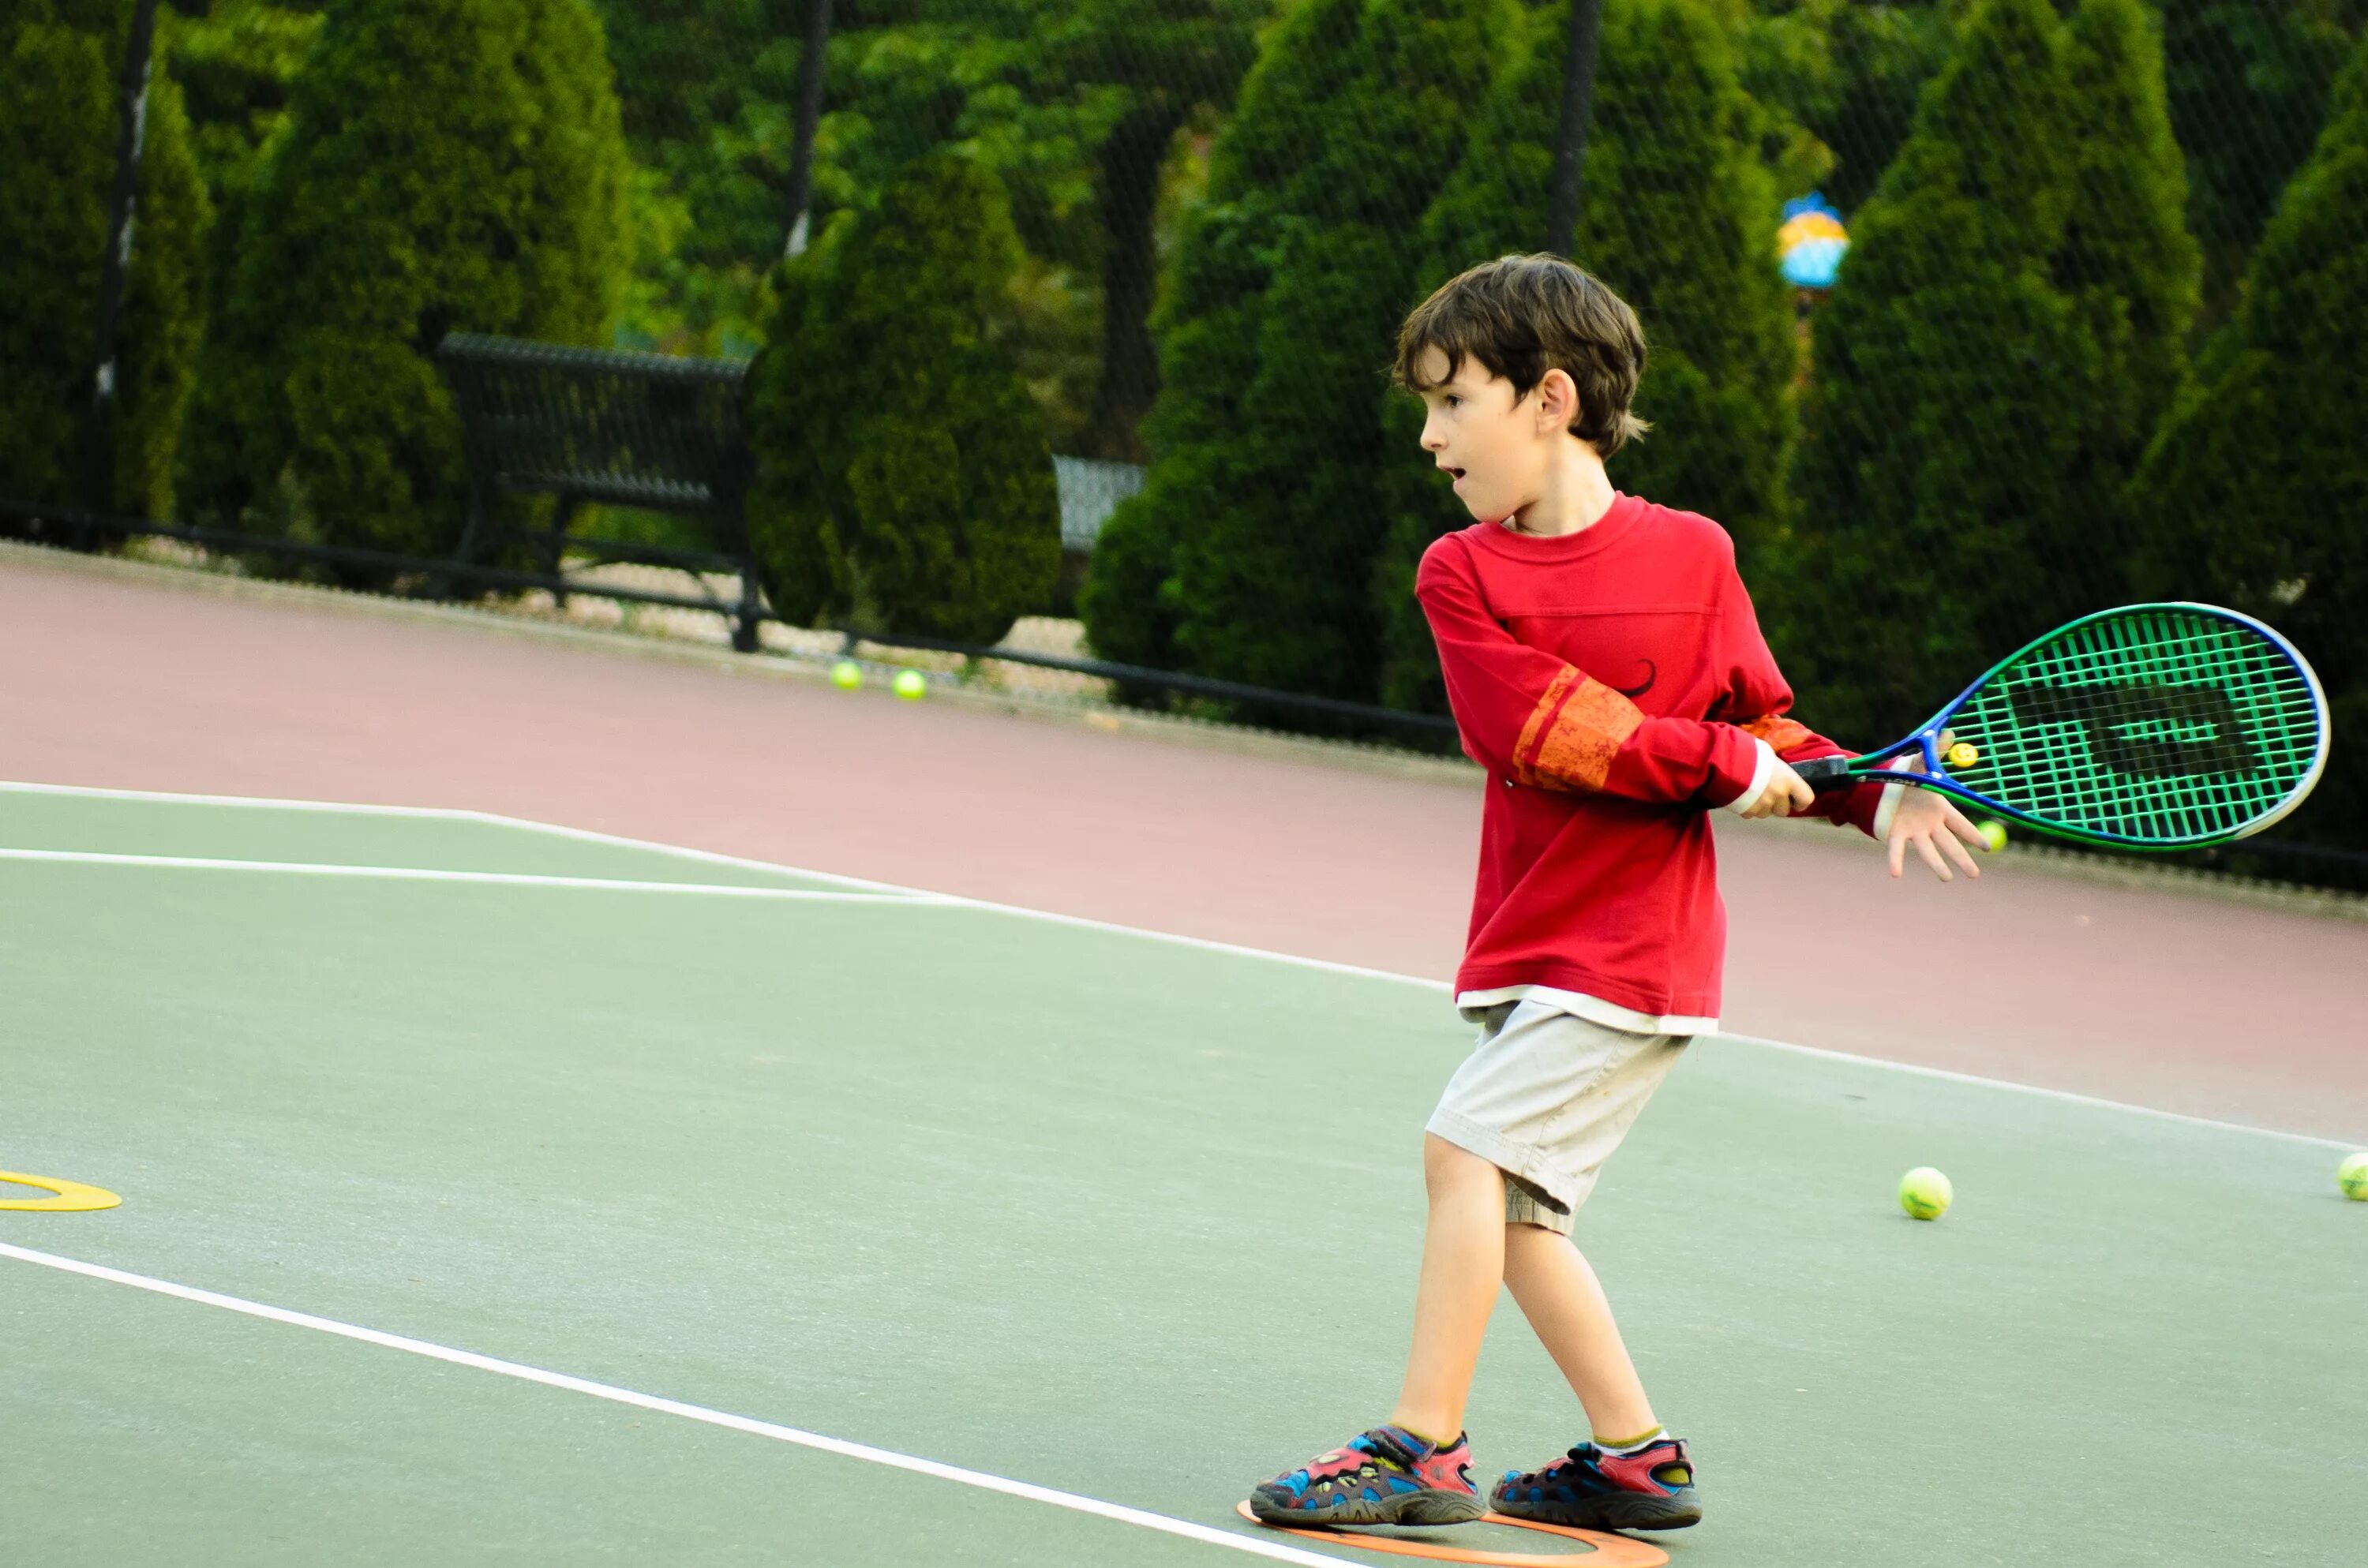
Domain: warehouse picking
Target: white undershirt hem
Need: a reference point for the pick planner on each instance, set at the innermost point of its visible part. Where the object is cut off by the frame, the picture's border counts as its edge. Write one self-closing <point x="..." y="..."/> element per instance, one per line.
<point x="1594" y="1009"/>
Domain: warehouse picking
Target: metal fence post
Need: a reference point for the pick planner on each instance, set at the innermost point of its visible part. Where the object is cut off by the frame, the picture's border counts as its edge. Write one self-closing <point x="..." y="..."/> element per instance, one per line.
<point x="131" y="138"/>
<point x="810" y="76"/>
<point x="1577" y="112"/>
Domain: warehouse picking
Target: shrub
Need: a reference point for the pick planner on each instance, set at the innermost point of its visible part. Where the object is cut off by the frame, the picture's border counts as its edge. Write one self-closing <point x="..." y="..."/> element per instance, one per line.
<point x="447" y="166"/>
<point x="902" y="482"/>
<point x="1679" y="217"/>
<point x="1266" y="492"/>
<point x="1953" y="437"/>
<point x="58" y="70"/>
<point x="2257" y="482"/>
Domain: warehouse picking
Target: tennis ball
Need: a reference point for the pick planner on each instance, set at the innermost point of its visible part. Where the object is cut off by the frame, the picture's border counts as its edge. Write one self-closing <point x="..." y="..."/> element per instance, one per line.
<point x="2352" y="1176"/>
<point x="910" y="685"/>
<point x="847" y="675"/>
<point x="1994" y="835"/>
<point x="1925" y="1193"/>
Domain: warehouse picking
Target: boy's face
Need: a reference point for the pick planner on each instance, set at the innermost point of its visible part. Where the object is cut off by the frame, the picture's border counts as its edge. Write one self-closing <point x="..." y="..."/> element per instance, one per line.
<point x="1498" y="449"/>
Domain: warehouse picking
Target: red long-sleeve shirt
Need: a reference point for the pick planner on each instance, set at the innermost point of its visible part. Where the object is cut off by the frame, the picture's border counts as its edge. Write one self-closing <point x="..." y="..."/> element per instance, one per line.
<point x="1614" y="684"/>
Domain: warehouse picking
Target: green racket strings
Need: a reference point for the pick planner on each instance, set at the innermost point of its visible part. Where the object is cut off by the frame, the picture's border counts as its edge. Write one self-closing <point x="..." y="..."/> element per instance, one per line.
<point x="2154" y="725"/>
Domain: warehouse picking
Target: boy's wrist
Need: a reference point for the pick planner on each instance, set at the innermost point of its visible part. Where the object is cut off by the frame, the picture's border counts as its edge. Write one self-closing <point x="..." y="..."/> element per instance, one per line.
<point x="1763" y="769"/>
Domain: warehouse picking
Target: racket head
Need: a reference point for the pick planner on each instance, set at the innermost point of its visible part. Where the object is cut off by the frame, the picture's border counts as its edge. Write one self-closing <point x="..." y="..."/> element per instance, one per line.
<point x="2157" y="726"/>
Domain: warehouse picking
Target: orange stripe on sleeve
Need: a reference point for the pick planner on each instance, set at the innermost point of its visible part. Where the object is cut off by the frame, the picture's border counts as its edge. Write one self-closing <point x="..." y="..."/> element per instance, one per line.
<point x="1781" y="733"/>
<point x="1577" y="727"/>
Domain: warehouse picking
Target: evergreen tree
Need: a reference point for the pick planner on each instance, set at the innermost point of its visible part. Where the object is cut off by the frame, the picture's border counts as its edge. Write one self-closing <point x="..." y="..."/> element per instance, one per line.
<point x="2257" y="486"/>
<point x="1945" y="416"/>
<point x="448" y="165"/>
<point x="2247" y="82"/>
<point x="58" y="64"/>
<point x="903" y="483"/>
<point x="2128" y="263"/>
<point x="1253" y="545"/>
<point x="1679" y="216"/>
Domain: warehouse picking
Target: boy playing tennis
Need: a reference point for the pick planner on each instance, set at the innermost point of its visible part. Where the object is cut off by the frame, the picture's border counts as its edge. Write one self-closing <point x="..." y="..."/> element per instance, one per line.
<point x="1606" y="669"/>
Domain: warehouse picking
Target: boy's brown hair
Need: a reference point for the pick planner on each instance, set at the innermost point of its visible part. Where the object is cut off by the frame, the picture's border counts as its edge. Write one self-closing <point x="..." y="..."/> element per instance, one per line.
<point x="1523" y="315"/>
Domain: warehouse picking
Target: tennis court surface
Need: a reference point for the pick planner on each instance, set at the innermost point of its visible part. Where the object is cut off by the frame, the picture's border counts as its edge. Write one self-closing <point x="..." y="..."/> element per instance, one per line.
<point x="498" y="1193"/>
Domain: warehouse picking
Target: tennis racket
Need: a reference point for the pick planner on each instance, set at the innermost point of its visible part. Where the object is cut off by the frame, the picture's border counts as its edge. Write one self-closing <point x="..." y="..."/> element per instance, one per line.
<point x="2149" y="727"/>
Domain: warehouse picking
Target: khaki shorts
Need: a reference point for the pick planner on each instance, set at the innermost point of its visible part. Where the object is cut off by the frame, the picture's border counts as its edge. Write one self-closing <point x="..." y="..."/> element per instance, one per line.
<point x="1546" y="1097"/>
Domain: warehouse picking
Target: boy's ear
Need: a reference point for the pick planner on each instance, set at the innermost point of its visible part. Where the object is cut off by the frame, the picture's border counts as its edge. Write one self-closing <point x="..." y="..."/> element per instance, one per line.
<point x="1557" y="401"/>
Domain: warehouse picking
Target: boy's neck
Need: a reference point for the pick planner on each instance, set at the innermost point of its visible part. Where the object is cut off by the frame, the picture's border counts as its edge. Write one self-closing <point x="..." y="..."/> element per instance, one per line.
<point x="1577" y="495"/>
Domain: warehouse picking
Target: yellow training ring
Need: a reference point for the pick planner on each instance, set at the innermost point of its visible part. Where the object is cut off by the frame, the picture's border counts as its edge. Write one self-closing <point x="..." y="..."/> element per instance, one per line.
<point x="1964" y="754"/>
<point x="66" y="1197"/>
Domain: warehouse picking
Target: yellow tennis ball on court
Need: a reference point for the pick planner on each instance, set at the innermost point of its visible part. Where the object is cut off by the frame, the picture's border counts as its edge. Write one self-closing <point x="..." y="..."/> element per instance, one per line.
<point x="847" y="675"/>
<point x="2352" y="1176"/>
<point x="1925" y="1193"/>
<point x="1994" y="835"/>
<point x="910" y="685"/>
<point x="1964" y="754"/>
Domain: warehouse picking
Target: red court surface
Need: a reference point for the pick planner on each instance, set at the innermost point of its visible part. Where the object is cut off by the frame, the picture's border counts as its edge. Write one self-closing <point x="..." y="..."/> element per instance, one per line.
<point x="2159" y="997"/>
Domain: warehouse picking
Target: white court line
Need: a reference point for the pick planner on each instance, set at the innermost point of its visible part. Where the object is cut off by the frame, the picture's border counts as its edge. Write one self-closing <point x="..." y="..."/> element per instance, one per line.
<point x="1207" y="1534"/>
<point x="1084" y="923"/>
<point x="499" y="879"/>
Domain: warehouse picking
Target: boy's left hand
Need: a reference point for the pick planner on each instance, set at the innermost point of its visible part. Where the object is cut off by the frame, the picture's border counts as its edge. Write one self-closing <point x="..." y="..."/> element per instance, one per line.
<point x="1927" y="819"/>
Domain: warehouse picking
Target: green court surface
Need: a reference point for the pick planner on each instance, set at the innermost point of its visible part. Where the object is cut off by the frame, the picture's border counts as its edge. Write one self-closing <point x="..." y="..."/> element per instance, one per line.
<point x="1128" y="1218"/>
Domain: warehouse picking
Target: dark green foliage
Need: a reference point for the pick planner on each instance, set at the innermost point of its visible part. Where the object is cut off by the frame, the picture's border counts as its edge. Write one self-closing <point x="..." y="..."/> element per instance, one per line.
<point x="1985" y="371"/>
<point x="2127" y="262"/>
<point x="1074" y="104"/>
<point x="59" y="64"/>
<point x="1679" y="219"/>
<point x="902" y="482"/>
<point x="2248" y="84"/>
<point x="447" y="166"/>
<point x="236" y="61"/>
<point x="2257" y="487"/>
<point x="1849" y="72"/>
<point x="1266" y="496"/>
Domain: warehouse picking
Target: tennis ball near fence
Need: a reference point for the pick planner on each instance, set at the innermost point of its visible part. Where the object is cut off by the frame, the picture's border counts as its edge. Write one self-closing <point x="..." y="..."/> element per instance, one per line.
<point x="910" y="685"/>
<point x="1925" y="1193"/>
<point x="2352" y="1176"/>
<point x="847" y="675"/>
<point x="1994" y="835"/>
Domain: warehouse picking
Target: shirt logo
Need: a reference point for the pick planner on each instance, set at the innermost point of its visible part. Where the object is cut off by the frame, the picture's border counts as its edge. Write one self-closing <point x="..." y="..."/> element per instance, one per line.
<point x="1652" y="673"/>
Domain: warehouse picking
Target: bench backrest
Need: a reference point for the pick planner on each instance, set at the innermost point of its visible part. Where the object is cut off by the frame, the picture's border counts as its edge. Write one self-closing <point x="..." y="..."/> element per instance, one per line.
<point x="647" y="430"/>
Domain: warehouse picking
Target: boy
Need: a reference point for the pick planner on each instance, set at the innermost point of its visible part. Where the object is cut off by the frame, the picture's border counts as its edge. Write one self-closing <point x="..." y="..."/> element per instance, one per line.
<point x="1606" y="669"/>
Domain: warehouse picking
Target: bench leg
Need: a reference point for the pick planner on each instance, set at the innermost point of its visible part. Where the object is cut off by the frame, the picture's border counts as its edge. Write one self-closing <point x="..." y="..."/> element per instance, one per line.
<point x="751" y="614"/>
<point x="554" y="548"/>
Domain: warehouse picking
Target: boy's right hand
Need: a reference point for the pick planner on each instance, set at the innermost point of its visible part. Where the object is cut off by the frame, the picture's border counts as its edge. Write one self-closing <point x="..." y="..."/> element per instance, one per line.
<point x="1786" y="795"/>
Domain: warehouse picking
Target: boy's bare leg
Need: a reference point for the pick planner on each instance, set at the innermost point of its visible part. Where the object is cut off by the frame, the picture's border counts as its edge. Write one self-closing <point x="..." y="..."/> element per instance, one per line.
<point x="1558" y="1292"/>
<point x="1462" y="1263"/>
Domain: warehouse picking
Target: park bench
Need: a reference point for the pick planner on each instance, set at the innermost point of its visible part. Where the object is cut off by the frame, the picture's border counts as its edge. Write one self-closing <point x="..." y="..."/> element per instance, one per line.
<point x="648" y="431"/>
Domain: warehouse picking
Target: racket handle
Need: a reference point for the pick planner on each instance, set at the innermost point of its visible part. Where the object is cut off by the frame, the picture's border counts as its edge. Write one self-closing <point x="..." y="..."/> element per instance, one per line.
<point x="1826" y="773"/>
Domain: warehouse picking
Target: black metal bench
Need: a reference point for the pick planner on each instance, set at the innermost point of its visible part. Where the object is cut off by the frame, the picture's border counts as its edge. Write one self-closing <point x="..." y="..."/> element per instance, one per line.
<point x="587" y="425"/>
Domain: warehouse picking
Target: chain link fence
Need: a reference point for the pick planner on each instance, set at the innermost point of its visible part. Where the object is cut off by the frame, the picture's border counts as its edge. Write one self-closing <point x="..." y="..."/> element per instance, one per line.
<point x="1966" y="316"/>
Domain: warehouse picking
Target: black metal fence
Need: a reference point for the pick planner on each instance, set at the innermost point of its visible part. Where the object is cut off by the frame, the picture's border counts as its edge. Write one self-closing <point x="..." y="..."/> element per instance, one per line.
<point x="1954" y="303"/>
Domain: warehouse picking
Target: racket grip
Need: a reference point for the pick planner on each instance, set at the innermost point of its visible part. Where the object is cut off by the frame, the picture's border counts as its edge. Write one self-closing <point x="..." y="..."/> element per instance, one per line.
<point x="1826" y="773"/>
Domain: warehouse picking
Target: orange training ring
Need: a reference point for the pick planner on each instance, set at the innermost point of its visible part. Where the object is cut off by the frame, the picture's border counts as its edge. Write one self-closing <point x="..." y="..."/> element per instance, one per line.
<point x="1610" y="1551"/>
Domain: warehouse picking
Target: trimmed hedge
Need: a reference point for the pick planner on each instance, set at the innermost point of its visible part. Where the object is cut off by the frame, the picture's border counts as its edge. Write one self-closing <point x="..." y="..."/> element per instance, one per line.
<point x="1249" y="553"/>
<point x="2258" y="483"/>
<point x="58" y="69"/>
<point x="447" y="166"/>
<point x="902" y="482"/>
<point x="1985" y="369"/>
<point x="1679" y="217"/>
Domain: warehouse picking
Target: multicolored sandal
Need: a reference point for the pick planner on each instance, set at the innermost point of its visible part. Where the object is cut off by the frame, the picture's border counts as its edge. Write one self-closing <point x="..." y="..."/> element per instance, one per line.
<point x="1388" y="1476"/>
<point x="1587" y="1488"/>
